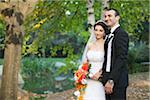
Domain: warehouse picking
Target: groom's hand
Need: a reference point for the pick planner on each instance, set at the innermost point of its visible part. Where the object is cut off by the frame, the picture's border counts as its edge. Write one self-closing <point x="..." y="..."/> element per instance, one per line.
<point x="108" y="88"/>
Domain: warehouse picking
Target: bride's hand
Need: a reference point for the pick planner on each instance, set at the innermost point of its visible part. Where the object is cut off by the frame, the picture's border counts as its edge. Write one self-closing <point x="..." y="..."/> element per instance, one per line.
<point x="97" y="75"/>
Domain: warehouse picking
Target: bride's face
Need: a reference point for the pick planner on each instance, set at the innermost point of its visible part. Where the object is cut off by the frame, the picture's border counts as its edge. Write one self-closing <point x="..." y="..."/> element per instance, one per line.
<point x="99" y="32"/>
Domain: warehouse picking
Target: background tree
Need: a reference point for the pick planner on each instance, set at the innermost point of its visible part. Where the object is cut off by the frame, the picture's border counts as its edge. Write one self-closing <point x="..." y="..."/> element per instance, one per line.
<point x="134" y="18"/>
<point x="90" y="15"/>
<point x="13" y="12"/>
<point x="105" y="4"/>
<point x="59" y="28"/>
<point x="63" y="19"/>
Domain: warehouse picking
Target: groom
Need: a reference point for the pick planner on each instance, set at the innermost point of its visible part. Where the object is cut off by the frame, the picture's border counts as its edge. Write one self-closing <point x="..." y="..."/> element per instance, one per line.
<point x="115" y="74"/>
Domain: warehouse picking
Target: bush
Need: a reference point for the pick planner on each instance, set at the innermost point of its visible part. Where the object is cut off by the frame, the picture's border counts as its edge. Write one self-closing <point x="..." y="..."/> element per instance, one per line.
<point x="1" y="61"/>
<point x="58" y="46"/>
<point x="137" y="53"/>
<point x="41" y="74"/>
<point x="37" y="74"/>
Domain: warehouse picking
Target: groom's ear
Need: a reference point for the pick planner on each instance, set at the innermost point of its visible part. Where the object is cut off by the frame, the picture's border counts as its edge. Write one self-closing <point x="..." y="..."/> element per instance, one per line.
<point x="118" y="17"/>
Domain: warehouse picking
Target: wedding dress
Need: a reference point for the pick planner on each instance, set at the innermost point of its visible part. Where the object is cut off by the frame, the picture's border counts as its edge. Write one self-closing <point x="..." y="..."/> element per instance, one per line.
<point x="94" y="89"/>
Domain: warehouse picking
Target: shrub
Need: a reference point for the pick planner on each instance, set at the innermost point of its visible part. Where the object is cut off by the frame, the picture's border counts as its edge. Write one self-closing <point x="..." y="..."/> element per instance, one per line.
<point x="137" y="53"/>
<point x="38" y="74"/>
<point x="41" y="75"/>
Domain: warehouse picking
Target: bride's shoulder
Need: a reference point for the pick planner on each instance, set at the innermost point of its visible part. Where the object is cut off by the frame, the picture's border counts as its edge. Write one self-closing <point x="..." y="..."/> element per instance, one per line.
<point x="90" y="44"/>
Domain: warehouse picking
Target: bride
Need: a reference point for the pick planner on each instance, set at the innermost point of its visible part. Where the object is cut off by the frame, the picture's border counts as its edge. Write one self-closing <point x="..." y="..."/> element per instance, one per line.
<point x="94" y="54"/>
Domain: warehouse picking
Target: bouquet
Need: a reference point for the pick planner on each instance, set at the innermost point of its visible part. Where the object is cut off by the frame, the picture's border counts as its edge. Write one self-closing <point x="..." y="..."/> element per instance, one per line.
<point x="80" y="80"/>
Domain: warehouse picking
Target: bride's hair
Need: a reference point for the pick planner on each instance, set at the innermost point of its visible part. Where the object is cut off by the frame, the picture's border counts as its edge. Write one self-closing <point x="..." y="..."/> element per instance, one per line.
<point x="105" y="27"/>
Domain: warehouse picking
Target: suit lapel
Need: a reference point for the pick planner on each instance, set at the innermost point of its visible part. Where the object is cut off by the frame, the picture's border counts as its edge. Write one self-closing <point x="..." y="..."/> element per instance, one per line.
<point x="116" y="32"/>
<point x="106" y="45"/>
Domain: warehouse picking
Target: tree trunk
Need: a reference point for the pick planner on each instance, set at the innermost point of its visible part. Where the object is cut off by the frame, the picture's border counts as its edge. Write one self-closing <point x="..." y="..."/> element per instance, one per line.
<point x="12" y="54"/>
<point x="90" y="13"/>
<point x="10" y="72"/>
<point x="14" y="14"/>
<point x="105" y="4"/>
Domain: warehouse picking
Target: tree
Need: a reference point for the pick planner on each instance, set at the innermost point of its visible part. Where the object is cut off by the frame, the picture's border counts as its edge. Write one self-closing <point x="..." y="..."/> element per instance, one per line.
<point x="90" y="15"/>
<point x="50" y="17"/>
<point x="105" y="4"/>
<point x="133" y="15"/>
<point x="13" y="12"/>
<point x="63" y="17"/>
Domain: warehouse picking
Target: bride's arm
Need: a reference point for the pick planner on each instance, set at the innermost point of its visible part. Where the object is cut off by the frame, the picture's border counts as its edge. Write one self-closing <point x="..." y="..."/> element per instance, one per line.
<point x="85" y="60"/>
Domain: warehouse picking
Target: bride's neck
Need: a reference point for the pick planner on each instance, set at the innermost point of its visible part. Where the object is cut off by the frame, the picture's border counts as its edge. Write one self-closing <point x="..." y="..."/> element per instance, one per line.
<point x="100" y="40"/>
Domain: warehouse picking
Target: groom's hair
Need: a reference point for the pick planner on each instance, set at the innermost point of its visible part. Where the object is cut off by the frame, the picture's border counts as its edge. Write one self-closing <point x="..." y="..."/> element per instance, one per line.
<point x="116" y="11"/>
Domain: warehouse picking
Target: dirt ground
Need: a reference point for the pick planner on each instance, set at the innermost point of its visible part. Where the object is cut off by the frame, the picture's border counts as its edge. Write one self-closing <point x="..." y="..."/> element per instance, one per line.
<point x="139" y="89"/>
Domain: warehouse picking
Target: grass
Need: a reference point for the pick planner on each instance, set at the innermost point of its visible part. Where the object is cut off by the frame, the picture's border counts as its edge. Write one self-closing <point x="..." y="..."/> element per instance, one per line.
<point x="55" y="59"/>
<point x="38" y="73"/>
<point x="48" y="59"/>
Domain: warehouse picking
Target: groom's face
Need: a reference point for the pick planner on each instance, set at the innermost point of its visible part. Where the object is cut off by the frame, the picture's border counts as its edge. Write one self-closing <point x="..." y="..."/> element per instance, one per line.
<point x="110" y="18"/>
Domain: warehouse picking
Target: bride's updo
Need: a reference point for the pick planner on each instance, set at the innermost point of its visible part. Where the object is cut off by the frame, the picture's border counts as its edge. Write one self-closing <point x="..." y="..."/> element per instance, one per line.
<point x="105" y="27"/>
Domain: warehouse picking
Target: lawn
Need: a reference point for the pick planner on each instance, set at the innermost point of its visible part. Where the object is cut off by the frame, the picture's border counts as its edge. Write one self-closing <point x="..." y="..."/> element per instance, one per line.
<point x="48" y="59"/>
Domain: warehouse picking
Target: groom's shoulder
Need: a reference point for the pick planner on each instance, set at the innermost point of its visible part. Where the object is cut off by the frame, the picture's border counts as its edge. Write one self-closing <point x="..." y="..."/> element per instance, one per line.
<point x="122" y="33"/>
<point x="120" y="30"/>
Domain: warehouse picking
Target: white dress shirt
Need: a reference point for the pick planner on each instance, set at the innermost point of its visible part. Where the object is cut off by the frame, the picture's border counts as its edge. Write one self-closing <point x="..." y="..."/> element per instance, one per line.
<point x="108" y="64"/>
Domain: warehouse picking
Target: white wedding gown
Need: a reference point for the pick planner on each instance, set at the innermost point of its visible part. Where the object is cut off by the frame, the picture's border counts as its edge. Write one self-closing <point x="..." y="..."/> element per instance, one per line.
<point x="94" y="89"/>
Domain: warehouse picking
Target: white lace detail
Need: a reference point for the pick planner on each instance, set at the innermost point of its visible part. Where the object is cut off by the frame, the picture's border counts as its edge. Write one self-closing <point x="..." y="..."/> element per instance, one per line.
<point x="96" y="59"/>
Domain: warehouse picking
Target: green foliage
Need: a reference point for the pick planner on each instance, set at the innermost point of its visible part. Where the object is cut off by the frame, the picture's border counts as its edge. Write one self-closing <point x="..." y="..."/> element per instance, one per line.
<point x="66" y="43"/>
<point x="144" y="33"/>
<point x="2" y="33"/>
<point x="1" y="61"/>
<point x="2" y="38"/>
<point x="40" y="75"/>
<point x="37" y="74"/>
<point x="68" y="18"/>
<point x="61" y="26"/>
<point x="137" y="53"/>
<point x="97" y="9"/>
<point x="2" y="27"/>
<point x="133" y="14"/>
<point x="37" y="98"/>
<point x="58" y="47"/>
<point x="71" y="65"/>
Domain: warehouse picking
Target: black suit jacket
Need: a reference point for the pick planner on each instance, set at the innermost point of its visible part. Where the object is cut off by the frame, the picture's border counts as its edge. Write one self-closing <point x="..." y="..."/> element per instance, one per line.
<point x="118" y="72"/>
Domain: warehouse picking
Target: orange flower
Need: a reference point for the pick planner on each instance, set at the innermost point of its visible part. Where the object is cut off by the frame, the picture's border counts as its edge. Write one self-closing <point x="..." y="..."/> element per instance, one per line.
<point x="80" y="80"/>
<point x="80" y="74"/>
<point x="79" y="86"/>
<point x="85" y="66"/>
